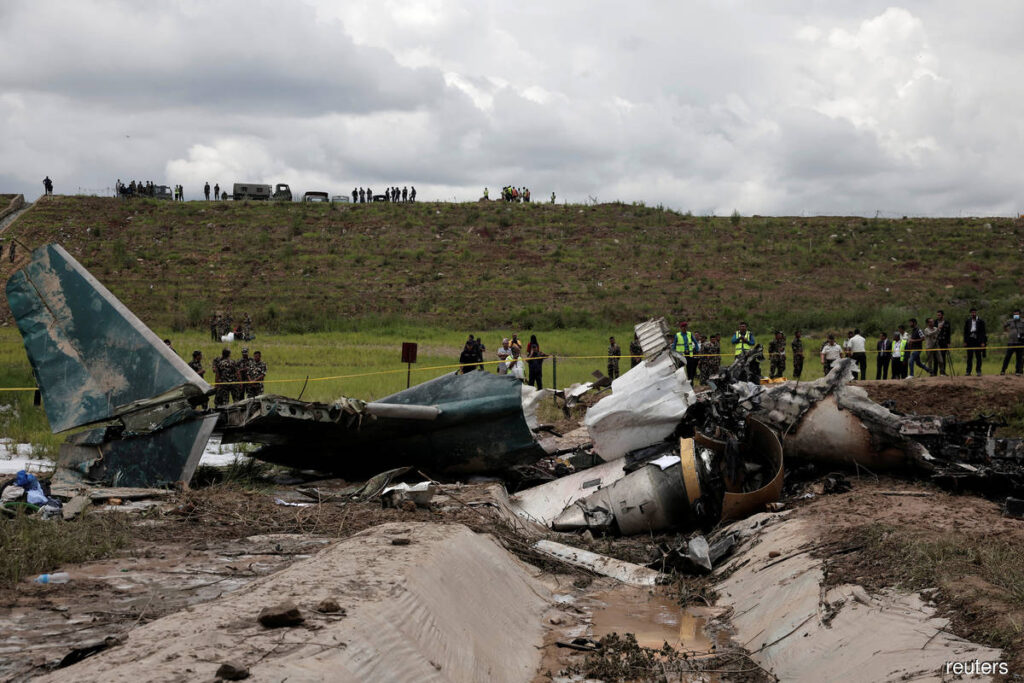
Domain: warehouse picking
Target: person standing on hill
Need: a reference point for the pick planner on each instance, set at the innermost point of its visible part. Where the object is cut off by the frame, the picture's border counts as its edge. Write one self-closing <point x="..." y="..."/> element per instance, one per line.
<point x="975" y="339"/>
<point x="884" y="348"/>
<point x="534" y="363"/>
<point x="798" y="354"/>
<point x="614" y="352"/>
<point x="1015" y="342"/>
<point x="216" y="191"/>
<point x="48" y="185"/>
<point x="206" y="190"/>
<point x="636" y="352"/>
<point x="777" y="356"/>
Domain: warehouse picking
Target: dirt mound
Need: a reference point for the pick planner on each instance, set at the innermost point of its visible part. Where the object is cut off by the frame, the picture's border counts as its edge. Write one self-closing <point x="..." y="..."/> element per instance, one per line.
<point x="962" y="397"/>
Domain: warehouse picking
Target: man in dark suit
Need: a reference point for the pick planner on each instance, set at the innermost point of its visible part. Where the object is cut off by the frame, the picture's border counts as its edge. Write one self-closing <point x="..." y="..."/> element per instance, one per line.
<point x="975" y="339"/>
<point x="884" y="347"/>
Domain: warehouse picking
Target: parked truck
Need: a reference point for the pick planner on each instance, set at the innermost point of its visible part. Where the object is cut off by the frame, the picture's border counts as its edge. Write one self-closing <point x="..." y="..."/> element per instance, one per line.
<point x="251" y="191"/>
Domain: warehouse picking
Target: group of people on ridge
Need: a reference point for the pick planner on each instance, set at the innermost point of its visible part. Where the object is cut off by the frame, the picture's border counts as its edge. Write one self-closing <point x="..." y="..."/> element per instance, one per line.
<point x="392" y="194"/>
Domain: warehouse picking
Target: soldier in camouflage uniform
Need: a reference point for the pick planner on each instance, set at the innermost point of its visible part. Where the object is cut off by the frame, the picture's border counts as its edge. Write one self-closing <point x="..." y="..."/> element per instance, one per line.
<point x="710" y="361"/>
<point x="635" y="351"/>
<point x="197" y="362"/>
<point x="243" y="365"/>
<point x="246" y="327"/>
<point x="798" y="354"/>
<point x="225" y="370"/>
<point x="214" y="326"/>
<point x="613" y="358"/>
<point x="256" y="372"/>
<point x="777" y="356"/>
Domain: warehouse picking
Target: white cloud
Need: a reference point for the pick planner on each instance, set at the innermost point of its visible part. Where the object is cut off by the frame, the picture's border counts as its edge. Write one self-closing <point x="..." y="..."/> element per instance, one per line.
<point x="765" y="107"/>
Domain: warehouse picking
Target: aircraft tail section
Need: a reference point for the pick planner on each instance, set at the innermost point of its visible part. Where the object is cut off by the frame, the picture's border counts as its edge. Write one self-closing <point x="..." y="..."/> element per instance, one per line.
<point x="93" y="359"/>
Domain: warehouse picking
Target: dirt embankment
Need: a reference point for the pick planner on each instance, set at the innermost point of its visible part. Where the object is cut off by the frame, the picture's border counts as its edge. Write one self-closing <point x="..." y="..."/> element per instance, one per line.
<point x="961" y="397"/>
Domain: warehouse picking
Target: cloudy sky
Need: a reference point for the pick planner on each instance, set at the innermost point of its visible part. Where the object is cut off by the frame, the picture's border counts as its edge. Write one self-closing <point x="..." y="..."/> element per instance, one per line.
<point x="761" y="106"/>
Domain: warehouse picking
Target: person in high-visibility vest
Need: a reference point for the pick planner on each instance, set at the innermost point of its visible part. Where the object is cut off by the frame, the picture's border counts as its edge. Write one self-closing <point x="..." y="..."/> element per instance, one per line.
<point x="687" y="346"/>
<point x="898" y="361"/>
<point x="743" y="339"/>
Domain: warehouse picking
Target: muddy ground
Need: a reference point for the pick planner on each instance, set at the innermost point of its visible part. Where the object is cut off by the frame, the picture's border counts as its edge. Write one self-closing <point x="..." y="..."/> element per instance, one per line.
<point x="884" y="532"/>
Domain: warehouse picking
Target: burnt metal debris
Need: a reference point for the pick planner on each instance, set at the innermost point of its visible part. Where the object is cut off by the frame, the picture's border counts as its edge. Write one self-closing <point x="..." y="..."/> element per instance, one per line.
<point x="663" y="456"/>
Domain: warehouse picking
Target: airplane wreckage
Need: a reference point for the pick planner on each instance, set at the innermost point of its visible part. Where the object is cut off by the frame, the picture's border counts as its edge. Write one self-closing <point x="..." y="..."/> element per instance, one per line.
<point x="667" y="457"/>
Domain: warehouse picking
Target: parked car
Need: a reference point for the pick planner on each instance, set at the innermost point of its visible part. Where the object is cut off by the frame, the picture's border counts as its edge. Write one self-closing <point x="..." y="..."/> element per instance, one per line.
<point x="316" y="197"/>
<point x="340" y="199"/>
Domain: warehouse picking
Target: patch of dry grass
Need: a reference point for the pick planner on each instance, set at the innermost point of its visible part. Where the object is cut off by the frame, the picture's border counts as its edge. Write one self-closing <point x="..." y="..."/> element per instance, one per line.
<point x="34" y="546"/>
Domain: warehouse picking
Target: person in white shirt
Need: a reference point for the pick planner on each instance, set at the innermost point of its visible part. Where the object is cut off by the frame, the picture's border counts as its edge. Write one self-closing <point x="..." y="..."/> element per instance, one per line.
<point x="830" y="353"/>
<point x="858" y="353"/>
<point x="503" y="353"/>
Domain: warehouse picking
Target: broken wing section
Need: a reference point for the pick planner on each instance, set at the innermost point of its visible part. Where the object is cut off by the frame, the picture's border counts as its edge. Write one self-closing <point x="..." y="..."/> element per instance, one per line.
<point x="93" y="359"/>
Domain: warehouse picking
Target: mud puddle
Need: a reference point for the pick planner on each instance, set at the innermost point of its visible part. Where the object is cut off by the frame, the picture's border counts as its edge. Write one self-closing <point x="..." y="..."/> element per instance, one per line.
<point x="654" y="617"/>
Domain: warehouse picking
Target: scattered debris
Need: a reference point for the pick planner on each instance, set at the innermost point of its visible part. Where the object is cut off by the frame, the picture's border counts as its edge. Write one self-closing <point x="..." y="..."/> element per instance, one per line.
<point x="277" y="616"/>
<point x="626" y="572"/>
<point x="329" y="606"/>
<point x="419" y="494"/>
<point x="280" y="501"/>
<point x="232" y="671"/>
<point x="88" y="649"/>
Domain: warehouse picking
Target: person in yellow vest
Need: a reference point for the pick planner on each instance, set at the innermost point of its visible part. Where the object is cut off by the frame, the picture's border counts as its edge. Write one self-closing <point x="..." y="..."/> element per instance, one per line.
<point x="687" y="346"/>
<point x="743" y="341"/>
<point x="898" y="360"/>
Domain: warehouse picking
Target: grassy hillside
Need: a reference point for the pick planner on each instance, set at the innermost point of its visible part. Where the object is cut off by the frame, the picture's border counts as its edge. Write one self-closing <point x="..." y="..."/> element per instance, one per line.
<point x="312" y="267"/>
